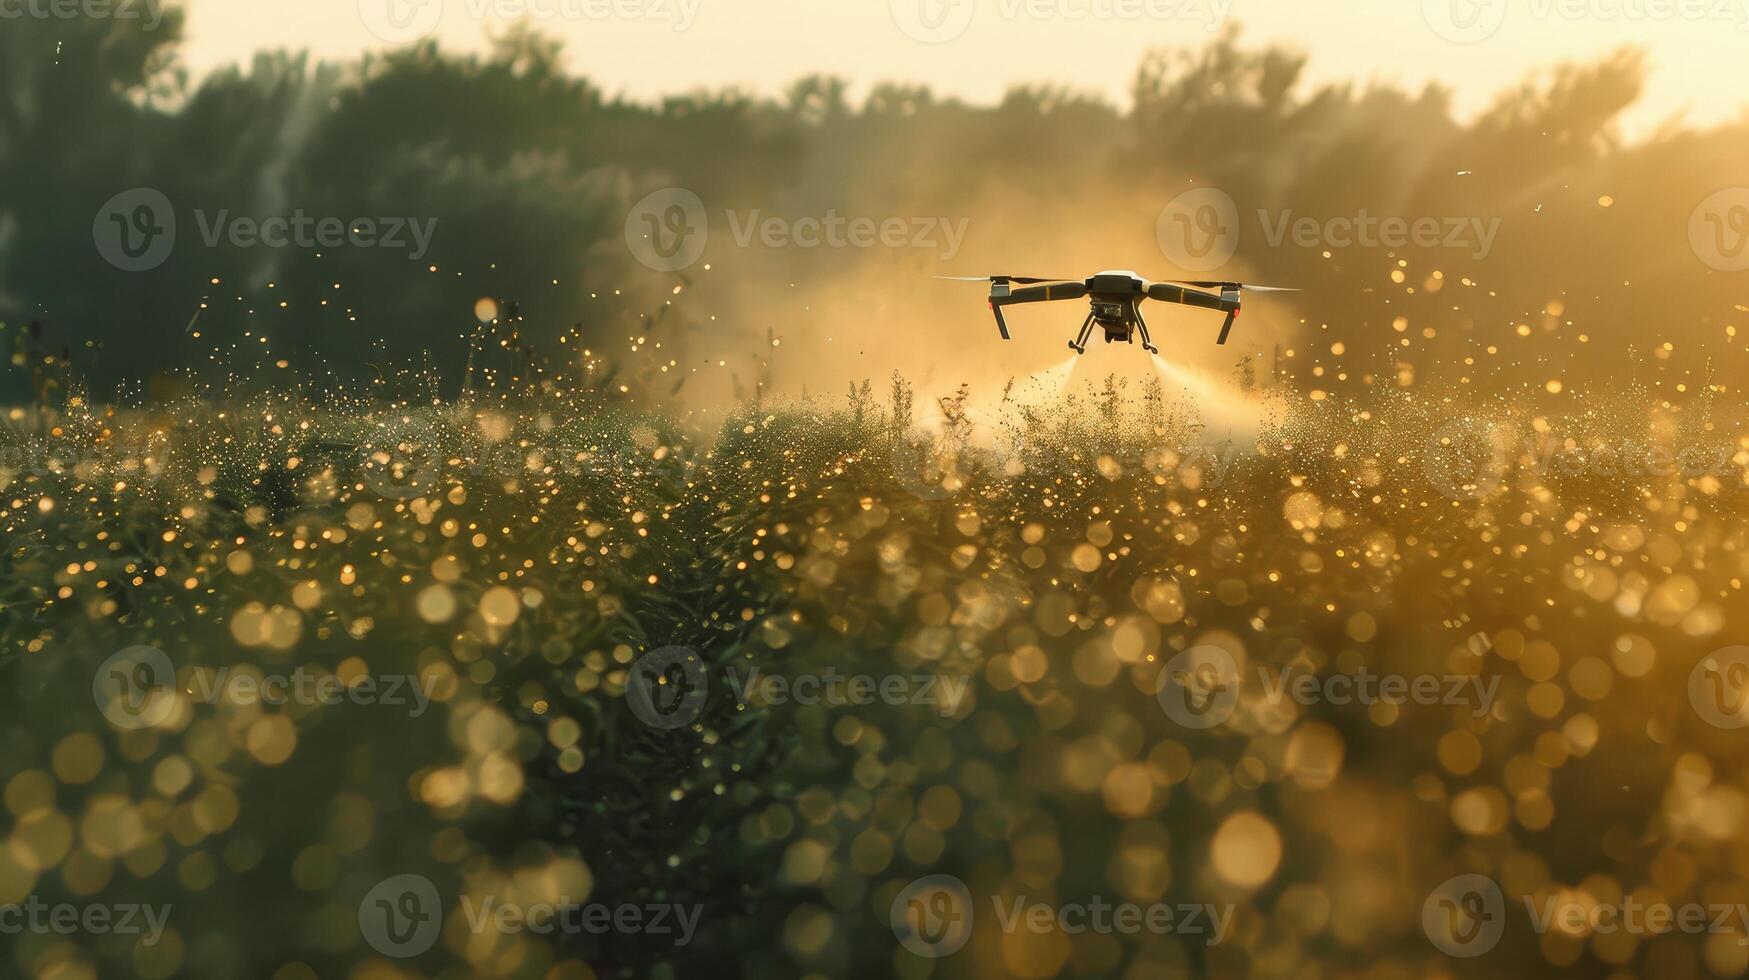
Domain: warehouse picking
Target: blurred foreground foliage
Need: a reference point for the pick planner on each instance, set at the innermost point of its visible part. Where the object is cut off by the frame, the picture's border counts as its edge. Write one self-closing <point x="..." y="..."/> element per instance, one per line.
<point x="518" y="553"/>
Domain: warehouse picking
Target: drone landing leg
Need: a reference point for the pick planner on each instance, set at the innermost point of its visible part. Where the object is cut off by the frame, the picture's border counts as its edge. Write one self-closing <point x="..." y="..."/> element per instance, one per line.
<point x="1227" y="328"/>
<point x="1142" y="325"/>
<point x="1079" y="345"/>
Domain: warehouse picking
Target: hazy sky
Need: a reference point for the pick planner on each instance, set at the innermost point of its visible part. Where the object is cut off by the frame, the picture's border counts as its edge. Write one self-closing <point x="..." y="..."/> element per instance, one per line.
<point x="976" y="48"/>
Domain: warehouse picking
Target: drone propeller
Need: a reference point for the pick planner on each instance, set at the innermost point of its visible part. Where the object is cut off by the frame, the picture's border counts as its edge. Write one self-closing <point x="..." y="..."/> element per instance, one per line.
<point x="1229" y="300"/>
<point x="1023" y="280"/>
<point x="1205" y="284"/>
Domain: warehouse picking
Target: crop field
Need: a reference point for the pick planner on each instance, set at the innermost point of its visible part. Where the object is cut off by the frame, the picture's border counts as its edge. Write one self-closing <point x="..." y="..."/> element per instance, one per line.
<point x="931" y="489"/>
<point x="398" y="668"/>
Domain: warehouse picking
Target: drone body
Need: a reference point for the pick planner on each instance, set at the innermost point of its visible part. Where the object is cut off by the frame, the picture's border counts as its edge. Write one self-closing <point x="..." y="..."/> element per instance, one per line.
<point x="1116" y="297"/>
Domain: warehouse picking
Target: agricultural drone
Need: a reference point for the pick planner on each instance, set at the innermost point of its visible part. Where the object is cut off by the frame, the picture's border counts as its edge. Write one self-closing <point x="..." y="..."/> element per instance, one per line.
<point x="1116" y="296"/>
